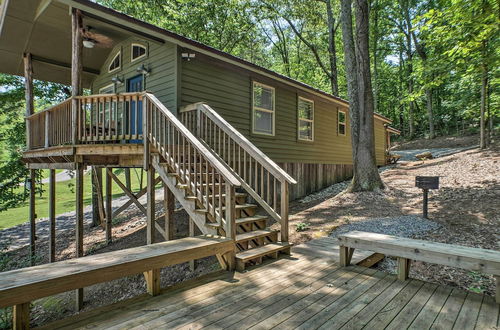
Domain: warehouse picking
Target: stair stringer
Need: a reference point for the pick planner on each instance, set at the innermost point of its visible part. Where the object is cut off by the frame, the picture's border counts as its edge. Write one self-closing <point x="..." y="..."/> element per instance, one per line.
<point x="189" y="205"/>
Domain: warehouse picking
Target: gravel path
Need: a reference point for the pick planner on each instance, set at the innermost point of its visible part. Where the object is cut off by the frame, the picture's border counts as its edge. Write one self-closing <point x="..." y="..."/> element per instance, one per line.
<point x="409" y="155"/>
<point x="19" y="236"/>
<point x="404" y="226"/>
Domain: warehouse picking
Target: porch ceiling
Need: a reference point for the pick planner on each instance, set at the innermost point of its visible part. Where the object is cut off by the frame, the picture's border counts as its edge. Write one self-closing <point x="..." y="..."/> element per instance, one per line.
<point x="43" y="28"/>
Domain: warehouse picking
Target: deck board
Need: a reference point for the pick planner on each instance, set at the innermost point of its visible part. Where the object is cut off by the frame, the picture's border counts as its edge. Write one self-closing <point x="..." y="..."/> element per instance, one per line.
<point x="307" y="290"/>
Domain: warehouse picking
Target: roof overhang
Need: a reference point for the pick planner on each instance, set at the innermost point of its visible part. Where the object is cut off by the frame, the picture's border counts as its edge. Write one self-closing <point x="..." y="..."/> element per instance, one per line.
<point x="392" y="130"/>
<point x="43" y="29"/>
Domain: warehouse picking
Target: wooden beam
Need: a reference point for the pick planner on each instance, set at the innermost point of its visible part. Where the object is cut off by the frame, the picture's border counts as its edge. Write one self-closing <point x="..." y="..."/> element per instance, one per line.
<point x="32" y="217"/>
<point x="497" y="295"/>
<point x="150" y="216"/>
<point x="52" y="215"/>
<point x="79" y="227"/>
<point x="51" y="166"/>
<point x="109" y="208"/>
<point x="129" y="202"/>
<point x="21" y="316"/>
<point x="28" y="93"/>
<point x="284" y="211"/>
<point x="127" y="192"/>
<point x="76" y="68"/>
<point x="41" y="8"/>
<point x="153" y="281"/>
<point x="169" y="207"/>
<point x="403" y="268"/>
<point x="345" y="255"/>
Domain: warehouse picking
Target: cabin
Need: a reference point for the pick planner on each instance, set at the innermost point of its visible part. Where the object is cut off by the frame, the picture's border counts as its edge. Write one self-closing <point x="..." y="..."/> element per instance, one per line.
<point x="233" y="143"/>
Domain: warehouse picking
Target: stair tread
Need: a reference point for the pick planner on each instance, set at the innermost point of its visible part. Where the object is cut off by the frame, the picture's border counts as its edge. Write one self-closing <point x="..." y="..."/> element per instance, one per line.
<point x="254" y="234"/>
<point x="251" y="219"/>
<point x="262" y="250"/>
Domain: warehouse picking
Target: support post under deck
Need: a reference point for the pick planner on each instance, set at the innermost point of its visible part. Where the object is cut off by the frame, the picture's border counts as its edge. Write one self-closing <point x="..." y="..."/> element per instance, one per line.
<point x="151" y="217"/>
<point x="52" y="215"/>
<point x="79" y="227"/>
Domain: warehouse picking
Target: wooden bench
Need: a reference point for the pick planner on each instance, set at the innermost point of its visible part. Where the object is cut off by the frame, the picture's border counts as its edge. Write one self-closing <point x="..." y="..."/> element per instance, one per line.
<point x="393" y="158"/>
<point x="406" y="249"/>
<point x="21" y="286"/>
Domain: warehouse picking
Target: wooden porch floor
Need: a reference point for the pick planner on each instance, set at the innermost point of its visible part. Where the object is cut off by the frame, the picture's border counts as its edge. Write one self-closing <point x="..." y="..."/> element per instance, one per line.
<point x="307" y="290"/>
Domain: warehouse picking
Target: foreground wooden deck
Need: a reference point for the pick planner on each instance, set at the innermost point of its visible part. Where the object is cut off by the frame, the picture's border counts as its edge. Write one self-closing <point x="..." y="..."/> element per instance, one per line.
<point x="307" y="290"/>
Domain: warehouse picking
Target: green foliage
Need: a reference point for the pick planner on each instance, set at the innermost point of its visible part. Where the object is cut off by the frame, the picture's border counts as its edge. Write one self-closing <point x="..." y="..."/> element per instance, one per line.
<point x="301" y="226"/>
<point x="13" y="172"/>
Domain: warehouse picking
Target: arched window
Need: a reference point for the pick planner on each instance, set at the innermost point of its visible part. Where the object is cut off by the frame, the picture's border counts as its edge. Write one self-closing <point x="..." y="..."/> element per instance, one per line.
<point x="137" y="51"/>
<point x="115" y="63"/>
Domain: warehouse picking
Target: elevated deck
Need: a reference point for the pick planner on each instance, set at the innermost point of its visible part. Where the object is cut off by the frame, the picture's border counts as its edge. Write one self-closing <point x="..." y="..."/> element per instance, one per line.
<point x="308" y="290"/>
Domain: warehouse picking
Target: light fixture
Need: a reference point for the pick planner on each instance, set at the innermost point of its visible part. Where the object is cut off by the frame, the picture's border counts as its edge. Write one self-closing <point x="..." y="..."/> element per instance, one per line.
<point x="188" y="56"/>
<point x="144" y="70"/>
<point x="117" y="80"/>
<point x="88" y="43"/>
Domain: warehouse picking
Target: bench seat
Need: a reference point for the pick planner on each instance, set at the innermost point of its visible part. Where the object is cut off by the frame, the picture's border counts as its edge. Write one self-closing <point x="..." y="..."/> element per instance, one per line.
<point x="406" y="249"/>
<point x="19" y="287"/>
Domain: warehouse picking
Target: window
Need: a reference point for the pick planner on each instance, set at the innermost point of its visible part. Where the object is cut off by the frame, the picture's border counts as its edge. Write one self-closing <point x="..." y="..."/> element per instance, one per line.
<point x="137" y="51"/>
<point x="263" y="109"/>
<point x="341" y="122"/>
<point x="115" y="63"/>
<point x="305" y="109"/>
<point x="109" y="89"/>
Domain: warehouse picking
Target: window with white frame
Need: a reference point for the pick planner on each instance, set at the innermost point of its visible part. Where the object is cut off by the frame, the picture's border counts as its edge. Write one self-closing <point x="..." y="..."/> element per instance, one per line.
<point x="305" y="109"/>
<point x="109" y="89"/>
<point x="115" y="63"/>
<point x="138" y="51"/>
<point x="263" y="109"/>
<point x="341" y="122"/>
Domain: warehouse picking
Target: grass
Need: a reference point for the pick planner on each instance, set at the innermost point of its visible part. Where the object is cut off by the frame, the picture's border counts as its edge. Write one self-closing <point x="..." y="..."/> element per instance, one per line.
<point x="65" y="198"/>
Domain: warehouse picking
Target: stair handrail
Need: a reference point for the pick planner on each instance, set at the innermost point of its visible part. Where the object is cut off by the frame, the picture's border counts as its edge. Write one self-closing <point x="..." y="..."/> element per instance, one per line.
<point x="157" y="134"/>
<point x="264" y="191"/>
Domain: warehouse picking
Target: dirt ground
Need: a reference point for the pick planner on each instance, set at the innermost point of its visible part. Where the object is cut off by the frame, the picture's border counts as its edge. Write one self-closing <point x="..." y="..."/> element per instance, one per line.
<point x="438" y="142"/>
<point x="467" y="206"/>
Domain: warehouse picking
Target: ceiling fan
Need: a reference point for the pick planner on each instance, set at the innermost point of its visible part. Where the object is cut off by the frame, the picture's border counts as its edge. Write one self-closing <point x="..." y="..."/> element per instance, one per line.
<point x="92" y="38"/>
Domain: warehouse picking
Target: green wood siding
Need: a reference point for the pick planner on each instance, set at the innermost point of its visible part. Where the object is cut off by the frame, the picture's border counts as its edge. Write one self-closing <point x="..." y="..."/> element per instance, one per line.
<point x="228" y="91"/>
<point x="161" y="59"/>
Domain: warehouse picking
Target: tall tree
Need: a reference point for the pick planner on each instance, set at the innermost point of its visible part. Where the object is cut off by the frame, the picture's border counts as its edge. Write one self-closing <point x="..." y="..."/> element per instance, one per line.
<point x="357" y="61"/>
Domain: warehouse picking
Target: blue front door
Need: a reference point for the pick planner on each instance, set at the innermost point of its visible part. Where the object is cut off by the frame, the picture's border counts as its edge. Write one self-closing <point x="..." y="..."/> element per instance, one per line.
<point x="135" y="84"/>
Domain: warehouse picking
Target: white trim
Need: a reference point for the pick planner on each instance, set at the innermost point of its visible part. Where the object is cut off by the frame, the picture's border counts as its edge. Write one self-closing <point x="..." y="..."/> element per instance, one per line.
<point x="132" y="59"/>
<point x="119" y="54"/>
<point x="344" y="123"/>
<point x="106" y="87"/>
<point x="273" y="117"/>
<point x="304" y="119"/>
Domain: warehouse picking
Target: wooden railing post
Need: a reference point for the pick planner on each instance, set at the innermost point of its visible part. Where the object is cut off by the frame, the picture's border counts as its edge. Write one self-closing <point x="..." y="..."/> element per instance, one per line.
<point x="47" y="129"/>
<point x="284" y="211"/>
<point x="28" y="83"/>
<point x="230" y="211"/>
<point x="145" y="132"/>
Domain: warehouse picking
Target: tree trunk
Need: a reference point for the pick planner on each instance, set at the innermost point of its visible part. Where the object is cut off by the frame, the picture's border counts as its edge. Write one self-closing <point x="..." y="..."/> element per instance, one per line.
<point x="357" y="63"/>
<point x="428" y="94"/>
<point x="332" y="49"/>
<point x="484" y="87"/>
<point x="375" y="55"/>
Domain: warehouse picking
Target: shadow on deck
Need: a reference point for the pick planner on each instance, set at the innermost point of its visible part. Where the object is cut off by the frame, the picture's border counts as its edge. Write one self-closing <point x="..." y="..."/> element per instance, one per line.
<point x="307" y="290"/>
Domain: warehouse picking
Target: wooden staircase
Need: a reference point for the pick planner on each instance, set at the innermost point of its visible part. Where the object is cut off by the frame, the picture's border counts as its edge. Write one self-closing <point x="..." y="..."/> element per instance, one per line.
<point x="259" y="177"/>
<point x="227" y="185"/>
<point x="254" y="240"/>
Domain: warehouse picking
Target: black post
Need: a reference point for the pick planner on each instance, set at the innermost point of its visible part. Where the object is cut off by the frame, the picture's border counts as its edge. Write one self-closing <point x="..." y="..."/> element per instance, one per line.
<point x="426" y="198"/>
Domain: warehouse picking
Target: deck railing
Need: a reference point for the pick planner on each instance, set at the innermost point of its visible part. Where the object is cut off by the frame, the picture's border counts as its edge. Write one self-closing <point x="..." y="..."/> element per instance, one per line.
<point x="265" y="181"/>
<point x="50" y="127"/>
<point x="202" y="173"/>
<point x="104" y="117"/>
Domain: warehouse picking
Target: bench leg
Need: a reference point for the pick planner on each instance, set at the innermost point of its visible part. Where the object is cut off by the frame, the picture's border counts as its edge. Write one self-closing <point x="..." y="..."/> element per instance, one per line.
<point x="21" y="316"/>
<point x="345" y="255"/>
<point x="403" y="268"/>
<point x="79" y="299"/>
<point x="153" y="281"/>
